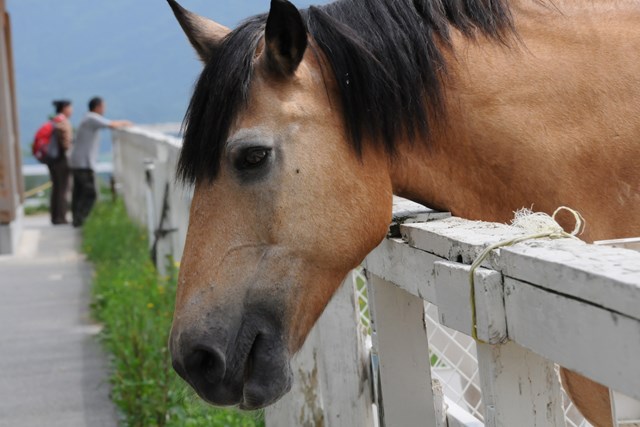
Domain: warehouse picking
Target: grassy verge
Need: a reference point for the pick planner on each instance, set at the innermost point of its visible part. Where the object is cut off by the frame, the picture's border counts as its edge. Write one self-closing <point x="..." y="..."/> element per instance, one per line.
<point x="135" y="305"/>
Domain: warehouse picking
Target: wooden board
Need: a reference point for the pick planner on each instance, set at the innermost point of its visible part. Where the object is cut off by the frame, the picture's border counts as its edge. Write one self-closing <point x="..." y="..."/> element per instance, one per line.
<point x="332" y="386"/>
<point x="410" y="269"/>
<point x="519" y="388"/>
<point x="453" y="294"/>
<point x="400" y="339"/>
<point x="457" y="239"/>
<point x="603" y="276"/>
<point x="593" y="341"/>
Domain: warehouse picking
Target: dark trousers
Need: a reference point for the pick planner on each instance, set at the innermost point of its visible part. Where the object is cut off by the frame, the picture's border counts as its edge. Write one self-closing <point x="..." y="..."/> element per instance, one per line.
<point x="59" y="172"/>
<point x="84" y="195"/>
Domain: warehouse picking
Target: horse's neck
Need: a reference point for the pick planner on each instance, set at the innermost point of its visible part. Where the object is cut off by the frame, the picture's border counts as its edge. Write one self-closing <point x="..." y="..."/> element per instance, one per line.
<point x="552" y="122"/>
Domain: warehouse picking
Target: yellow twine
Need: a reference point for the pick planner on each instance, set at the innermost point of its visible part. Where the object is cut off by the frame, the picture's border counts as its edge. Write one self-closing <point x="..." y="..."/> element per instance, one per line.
<point x="541" y="226"/>
<point x="36" y="190"/>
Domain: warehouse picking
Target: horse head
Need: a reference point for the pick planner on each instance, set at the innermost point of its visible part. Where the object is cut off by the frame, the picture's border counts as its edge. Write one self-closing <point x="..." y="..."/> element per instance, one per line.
<point x="283" y="207"/>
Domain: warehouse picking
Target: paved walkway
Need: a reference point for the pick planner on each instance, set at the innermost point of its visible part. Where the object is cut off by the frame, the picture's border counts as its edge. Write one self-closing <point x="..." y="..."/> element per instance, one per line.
<point x="52" y="370"/>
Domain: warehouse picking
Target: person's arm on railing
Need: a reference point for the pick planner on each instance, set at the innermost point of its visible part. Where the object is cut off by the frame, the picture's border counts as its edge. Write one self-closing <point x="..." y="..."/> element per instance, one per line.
<point x="117" y="124"/>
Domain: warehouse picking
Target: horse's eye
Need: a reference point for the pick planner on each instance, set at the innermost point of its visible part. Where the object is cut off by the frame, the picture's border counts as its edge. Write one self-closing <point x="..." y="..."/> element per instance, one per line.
<point x="253" y="158"/>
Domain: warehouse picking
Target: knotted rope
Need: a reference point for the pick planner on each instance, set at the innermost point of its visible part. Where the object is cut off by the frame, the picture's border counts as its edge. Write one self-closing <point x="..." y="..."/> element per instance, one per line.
<point x="539" y="225"/>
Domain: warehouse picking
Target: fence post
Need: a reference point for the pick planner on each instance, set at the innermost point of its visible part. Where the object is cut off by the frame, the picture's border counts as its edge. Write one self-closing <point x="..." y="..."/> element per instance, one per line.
<point x="332" y="386"/>
<point x="519" y="388"/>
<point x="400" y="339"/>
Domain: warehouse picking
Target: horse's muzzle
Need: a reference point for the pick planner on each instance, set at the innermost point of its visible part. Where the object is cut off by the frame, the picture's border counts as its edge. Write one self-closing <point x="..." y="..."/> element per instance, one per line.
<point x="248" y="367"/>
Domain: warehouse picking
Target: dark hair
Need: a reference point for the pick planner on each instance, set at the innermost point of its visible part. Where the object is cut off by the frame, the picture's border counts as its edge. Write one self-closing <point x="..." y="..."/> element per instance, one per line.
<point x="60" y="104"/>
<point x="95" y="102"/>
<point x="386" y="57"/>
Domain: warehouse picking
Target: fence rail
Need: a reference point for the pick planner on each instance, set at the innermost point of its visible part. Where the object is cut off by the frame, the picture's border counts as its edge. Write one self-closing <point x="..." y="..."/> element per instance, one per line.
<point x="397" y="351"/>
<point x="538" y="302"/>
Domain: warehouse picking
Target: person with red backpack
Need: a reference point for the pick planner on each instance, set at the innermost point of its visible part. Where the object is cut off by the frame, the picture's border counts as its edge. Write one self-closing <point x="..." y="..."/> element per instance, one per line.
<point x="51" y="145"/>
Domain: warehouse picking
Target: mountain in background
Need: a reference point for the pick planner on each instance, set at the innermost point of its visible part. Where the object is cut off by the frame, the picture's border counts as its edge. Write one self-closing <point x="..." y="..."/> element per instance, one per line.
<point x="132" y="53"/>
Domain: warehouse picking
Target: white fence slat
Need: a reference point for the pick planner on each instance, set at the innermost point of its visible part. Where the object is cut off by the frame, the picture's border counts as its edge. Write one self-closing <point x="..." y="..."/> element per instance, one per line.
<point x="608" y="276"/>
<point x="576" y="335"/>
<point x="453" y="295"/>
<point x="332" y="386"/>
<point x="457" y="239"/>
<point x="345" y="365"/>
<point x="132" y="148"/>
<point x="303" y="404"/>
<point x="439" y="404"/>
<point x="519" y="388"/>
<point x="400" y="337"/>
<point x="412" y="270"/>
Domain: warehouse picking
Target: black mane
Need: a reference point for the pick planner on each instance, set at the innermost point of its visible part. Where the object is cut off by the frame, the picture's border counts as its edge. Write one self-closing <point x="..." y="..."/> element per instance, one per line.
<point x="384" y="54"/>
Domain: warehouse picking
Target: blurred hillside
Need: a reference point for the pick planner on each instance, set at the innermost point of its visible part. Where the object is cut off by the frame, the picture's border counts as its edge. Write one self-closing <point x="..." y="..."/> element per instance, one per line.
<point x="132" y="53"/>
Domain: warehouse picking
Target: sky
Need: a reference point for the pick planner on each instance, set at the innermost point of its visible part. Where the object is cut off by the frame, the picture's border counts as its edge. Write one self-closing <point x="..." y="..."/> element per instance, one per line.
<point x="131" y="52"/>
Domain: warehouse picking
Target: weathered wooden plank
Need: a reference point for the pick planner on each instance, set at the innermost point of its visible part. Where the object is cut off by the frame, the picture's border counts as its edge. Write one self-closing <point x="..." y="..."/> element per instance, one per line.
<point x="457" y="239"/>
<point x="406" y="212"/>
<point x="603" y="276"/>
<point x="519" y="388"/>
<point x="439" y="404"/>
<point x="598" y="343"/>
<point x="408" y="268"/>
<point x="332" y="386"/>
<point x="400" y="338"/>
<point x="303" y="404"/>
<point x="345" y="382"/>
<point x="453" y="295"/>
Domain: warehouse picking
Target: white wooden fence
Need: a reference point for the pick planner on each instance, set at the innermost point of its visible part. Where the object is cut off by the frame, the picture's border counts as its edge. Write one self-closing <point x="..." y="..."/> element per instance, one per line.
<point x="538" y="304"/>
<point x="144" y="164"/>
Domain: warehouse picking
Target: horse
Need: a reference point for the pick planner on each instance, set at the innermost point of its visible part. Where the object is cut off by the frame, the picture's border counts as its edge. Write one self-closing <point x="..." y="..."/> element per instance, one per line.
<point x="304" y="123"/>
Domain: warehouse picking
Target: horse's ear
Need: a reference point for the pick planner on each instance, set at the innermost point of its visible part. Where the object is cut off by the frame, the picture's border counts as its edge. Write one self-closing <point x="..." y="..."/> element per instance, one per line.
<point x="285" y="38"/>
<point x="203" y="33"/>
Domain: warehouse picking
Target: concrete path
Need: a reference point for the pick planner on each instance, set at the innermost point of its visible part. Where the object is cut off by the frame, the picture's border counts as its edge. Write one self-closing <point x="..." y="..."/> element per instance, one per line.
<point x="52" y="370"/>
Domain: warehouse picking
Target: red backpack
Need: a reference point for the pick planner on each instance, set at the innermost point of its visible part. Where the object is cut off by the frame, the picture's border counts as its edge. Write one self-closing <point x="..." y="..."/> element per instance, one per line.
<point x="45" y="146"/>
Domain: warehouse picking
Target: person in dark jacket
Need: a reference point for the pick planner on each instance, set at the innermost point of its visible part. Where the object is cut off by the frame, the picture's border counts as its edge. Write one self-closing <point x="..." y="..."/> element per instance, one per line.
<point x="59" y="167"/>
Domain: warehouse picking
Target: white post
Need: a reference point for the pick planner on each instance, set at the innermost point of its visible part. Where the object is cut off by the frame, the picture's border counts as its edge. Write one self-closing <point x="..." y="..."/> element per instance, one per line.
<point x="150" y="199"/>
<point x="332" y="386"/>
<point x="400" y="338"/>
<point x="519" y="388"/>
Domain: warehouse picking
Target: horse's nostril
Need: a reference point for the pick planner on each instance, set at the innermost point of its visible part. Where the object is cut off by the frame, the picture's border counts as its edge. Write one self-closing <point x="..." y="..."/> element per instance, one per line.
<point x="207" y="364"/>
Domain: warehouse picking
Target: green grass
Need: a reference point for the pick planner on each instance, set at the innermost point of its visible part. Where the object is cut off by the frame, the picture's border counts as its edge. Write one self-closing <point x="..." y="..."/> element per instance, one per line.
<point x="135" y="306"/>
<point x="39" y="209"/>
